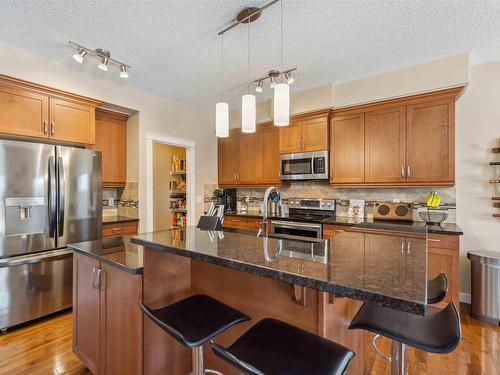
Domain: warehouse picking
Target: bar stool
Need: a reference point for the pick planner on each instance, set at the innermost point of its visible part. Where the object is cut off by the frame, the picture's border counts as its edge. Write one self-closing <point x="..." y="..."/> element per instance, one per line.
<point x="194" y="321"/>
<point x="272" y="347"/>
<point x="437" y="332"/>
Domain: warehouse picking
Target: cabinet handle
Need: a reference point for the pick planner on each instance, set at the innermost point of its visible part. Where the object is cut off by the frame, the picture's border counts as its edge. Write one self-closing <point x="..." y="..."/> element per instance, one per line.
<point x="408" y="171"/>
<point x="433" y="240"/>
<point x="402" y="246"/>
<point x="45" y="127"/>
<point x="93" y="277"/>
<point x="100" y="284"/>
<point x="408" y="247"/>
<point x="303" y="144"/>
<point x="403" y="171"/>
<point x="52" y="128"/>
<point x="298" y="144"/>
<point x="116" y="229"/>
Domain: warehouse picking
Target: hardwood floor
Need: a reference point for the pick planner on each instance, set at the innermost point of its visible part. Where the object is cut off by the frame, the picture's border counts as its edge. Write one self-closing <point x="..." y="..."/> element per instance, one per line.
<point x="45" y="348"/>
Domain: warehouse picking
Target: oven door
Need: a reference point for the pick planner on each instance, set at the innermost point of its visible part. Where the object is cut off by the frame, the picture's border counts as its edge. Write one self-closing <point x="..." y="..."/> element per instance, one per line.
<point x="294" y="228"/>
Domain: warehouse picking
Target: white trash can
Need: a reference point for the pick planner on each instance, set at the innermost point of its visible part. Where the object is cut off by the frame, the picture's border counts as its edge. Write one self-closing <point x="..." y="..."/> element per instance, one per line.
<point x="485" y="285"/>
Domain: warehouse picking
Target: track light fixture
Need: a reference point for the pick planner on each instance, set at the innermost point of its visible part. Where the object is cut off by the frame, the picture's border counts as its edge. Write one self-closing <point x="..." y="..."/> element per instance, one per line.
<point x="259" y="86"/>
<point x="80" y="55"/>
<point x="289" y="78"/>
<point x="103" y="55"/>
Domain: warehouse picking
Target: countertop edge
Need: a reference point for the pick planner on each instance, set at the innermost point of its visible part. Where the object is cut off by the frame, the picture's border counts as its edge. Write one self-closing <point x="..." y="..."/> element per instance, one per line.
<point x="122" y="267"/>
<point x="343" y="291"/>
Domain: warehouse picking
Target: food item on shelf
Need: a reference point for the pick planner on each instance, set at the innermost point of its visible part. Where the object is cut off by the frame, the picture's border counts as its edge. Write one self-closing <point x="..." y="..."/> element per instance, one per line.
<point x="433" y="200"/>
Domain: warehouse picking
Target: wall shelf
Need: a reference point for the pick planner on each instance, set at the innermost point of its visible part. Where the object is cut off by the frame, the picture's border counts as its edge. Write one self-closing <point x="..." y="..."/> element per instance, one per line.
<point x="495" y="163"/>
<point x="496" y="150"/>
<point x="177" y="173"/>
<point x="178" y="209"/>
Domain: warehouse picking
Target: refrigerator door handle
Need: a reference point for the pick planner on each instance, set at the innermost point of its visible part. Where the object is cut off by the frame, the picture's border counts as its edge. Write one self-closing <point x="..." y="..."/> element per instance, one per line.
<point x="52" y="197"/>
<point x="35" y="258"/>
<point x="62" y="185"/>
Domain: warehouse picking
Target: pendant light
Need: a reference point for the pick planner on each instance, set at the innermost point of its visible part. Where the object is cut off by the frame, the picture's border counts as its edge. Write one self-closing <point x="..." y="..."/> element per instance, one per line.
<point x="221" y="108"/>
<point x="248" y="105"/>
<point x="281" y="91"/>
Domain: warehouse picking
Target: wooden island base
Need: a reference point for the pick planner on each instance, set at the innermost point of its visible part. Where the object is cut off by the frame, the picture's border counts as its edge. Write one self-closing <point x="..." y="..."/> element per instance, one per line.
<point x="168" y="278"/>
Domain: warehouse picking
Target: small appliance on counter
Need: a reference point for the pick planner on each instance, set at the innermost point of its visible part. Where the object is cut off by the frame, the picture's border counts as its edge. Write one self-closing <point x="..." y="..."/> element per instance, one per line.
<point x="392" y="211"/>
<point x="229" y="200"/>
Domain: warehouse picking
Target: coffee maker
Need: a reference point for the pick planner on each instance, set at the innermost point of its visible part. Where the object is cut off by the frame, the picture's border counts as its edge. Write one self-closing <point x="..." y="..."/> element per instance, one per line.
<point x="229" y="200"/>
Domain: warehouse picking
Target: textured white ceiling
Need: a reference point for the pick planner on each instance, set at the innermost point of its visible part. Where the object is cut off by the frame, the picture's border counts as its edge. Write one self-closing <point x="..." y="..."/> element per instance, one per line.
<point x="174" y="49"/>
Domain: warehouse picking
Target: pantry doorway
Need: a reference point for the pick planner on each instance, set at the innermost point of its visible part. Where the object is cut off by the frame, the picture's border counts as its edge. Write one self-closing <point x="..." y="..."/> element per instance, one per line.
<point x="170" y="184"/>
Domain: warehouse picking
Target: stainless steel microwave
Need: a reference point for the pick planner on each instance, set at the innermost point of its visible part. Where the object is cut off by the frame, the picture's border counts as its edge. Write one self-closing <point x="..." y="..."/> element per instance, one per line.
<point x="304" y="166"/>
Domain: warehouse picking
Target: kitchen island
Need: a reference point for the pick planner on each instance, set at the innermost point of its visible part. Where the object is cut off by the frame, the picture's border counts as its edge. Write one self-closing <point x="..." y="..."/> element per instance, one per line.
<point x="316" y="285"/>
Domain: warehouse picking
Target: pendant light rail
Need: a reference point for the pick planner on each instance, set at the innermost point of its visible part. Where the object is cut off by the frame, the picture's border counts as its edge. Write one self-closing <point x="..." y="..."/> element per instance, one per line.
<point x="247" y="18"/>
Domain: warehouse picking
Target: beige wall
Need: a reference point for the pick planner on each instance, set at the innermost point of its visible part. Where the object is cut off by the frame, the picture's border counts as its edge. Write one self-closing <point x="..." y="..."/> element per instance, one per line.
<point x="157" y="115"/>
<point x="162" y="159"/>
<point x="478" y="129"/>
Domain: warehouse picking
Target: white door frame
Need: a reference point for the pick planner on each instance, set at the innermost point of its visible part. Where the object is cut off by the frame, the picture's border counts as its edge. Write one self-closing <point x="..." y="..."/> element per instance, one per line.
<point x="190" y="175"/>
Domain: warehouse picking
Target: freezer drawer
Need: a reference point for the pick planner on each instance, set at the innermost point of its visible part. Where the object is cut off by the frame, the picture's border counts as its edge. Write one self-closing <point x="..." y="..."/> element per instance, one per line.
<point x="34" y="286"/>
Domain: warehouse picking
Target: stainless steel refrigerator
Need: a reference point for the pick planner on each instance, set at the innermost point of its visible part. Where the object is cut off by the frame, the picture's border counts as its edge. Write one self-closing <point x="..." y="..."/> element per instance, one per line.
<point x="50" y="196"/>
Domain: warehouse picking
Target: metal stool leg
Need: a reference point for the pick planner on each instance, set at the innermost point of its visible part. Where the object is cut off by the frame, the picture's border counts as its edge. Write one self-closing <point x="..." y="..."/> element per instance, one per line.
<point x="198" y="363"/>
<point x="398" y="358"/>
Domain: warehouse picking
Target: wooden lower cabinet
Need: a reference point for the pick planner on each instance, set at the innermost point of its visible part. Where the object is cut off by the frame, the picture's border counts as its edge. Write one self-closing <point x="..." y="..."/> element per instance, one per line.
<point x="443" y="255"/>
<point x="119" y="229"/>
<point x="242" y="222"/>
<point x="107" y="320"/>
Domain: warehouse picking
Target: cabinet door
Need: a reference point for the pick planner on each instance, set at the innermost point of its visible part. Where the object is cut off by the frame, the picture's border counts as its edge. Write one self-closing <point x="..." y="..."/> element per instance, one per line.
<point x="347" y="149"/>
<point x="228" y="160"/>
<point x="290" y="139"/>
<point x="23" y="112"/>
<point x="86" y="330"/>
<point x="248" y="158"/>
<point x="72" y="121"/>
<point x="121" y="322"/>
<point x="385" y="145"/>
<point x="111" y="139"/>
<point x="431" y="141"/>
<point x="269" y="163"/>
<point x="315" y="134"/>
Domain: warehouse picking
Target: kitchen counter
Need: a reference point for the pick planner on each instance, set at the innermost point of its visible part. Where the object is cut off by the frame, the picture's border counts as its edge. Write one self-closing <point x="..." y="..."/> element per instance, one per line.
<point x="359" y="265"/>
<point x="118" y="252"/>
<point x="118" y="219"/>
<point x="448" y="228"/>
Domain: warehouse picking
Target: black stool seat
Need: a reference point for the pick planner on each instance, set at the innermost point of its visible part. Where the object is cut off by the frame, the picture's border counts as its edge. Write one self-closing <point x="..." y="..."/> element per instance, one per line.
<point x="272" y="347"/>
<point x="437" y="332"/>
<point x="196" y="319"/>
<point x="437" y="288"/>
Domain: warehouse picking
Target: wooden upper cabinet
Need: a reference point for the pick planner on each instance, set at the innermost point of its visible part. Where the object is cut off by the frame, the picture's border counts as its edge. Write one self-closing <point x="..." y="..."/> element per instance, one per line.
<point x="305" y="133"/>
<point x="290" y="138"/>
<point x="269" y="161"/>
<point x="315" y="134"/>
<point x="23" y="112"/>
<point x="430" y="141"/>
<point x="247" y="159"/>
<point x="385" y="145"/>
<point x="31" y="110"/>
<point x="111" y="139"/>
<point x="347" y="149"/>
<point x="72" y="121"/>
<point x="228" y="159"/>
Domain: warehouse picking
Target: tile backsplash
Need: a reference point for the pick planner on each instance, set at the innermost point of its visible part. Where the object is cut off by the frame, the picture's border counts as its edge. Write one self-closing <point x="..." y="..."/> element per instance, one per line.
<point x="251" y="198"/>
<point x="125" y="200"/>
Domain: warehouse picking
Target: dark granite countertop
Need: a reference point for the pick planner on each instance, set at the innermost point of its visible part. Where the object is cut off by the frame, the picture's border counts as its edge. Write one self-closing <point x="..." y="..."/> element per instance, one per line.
<point x="359" y="264"/>
<point x="448" y="228"/>
<point x="118" y="252"/>
<point x="118" y="219"/>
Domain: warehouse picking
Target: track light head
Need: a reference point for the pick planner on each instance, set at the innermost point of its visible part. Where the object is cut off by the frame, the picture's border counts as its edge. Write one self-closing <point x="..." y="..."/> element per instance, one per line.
<point x="123" y="71"/>
<point x="105" y="56"/>
<point x="259" y="86"/>
<point x="273" y="82"/>
<point x="80" y="55"/>
<point x="289" y="78"/>
<point x="103" y="65"/>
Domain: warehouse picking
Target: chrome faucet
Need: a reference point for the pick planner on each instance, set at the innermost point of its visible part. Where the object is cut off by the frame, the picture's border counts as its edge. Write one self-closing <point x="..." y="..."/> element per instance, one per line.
<point x="264" y="230"/>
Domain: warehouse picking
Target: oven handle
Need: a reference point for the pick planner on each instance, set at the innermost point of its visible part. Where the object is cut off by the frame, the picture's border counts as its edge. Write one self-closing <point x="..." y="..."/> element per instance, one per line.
<point x="287" y="224"/>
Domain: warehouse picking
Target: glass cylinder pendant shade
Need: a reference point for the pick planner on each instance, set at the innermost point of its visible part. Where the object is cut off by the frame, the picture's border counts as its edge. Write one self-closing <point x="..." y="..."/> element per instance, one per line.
<point x="248" y="114"/>
<point x="281" y="104"/>
<point x="222" y="120"/>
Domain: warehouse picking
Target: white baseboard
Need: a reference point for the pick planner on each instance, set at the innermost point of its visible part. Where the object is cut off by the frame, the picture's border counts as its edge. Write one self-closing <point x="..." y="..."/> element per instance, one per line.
<point x="465" y="298"/>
